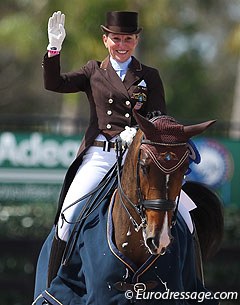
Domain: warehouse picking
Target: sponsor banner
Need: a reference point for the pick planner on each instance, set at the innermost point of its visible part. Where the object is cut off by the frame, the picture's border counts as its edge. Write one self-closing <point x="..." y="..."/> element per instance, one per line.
<point x="33" y="165"/>
<point x="29" y="192"/>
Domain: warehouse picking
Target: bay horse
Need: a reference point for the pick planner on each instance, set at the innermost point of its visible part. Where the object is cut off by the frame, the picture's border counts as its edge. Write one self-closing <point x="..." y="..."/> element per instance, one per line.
<point x="138" y="242"/>
<point x="159" y="159"/>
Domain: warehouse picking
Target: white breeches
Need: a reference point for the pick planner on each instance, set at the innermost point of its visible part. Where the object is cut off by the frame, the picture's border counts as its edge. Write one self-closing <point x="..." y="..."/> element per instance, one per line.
<point x="96" y="163"/>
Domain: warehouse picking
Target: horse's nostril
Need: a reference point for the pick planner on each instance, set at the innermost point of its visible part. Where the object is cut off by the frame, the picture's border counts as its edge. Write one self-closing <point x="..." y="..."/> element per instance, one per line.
<point x="149" y="242"/>
<point x="163" y="251"/>
<point x="152" y="244"/>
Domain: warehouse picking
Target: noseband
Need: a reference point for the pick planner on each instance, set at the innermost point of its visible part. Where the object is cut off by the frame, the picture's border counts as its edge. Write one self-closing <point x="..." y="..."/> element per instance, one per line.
<point x="153" y="204"/>
<point x="159" y="204"/>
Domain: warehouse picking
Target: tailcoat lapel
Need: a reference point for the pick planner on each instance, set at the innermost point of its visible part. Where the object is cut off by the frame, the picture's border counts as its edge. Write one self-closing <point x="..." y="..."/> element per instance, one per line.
<point x="135" y="72"/>
<point x="111" y="76"/>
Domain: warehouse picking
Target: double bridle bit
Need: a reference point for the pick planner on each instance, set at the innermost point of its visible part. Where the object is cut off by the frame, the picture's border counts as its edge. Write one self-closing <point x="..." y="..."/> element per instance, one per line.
<point x="155" y="204"/>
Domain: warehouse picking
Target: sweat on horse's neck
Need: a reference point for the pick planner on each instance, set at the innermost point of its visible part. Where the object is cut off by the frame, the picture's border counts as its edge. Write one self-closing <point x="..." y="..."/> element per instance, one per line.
<point x="127" y="240"/>
<point x="130" y="244"/>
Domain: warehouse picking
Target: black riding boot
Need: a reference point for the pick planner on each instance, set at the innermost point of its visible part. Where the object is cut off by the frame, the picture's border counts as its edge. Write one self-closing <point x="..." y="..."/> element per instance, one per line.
<point x="55" y="259"/>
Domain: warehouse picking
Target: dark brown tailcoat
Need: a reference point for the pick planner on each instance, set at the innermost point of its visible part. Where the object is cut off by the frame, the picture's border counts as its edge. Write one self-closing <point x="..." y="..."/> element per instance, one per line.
<point x="111" y="100"/>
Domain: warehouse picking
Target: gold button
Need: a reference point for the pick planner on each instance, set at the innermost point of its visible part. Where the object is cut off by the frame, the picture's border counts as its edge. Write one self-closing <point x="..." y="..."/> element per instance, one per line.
<point x="109" y="112"/>
<point x="127" y="115"/>
<point x="109" y="126"/>
<point x="110" y="101"/>
<point x="127" y="103"/>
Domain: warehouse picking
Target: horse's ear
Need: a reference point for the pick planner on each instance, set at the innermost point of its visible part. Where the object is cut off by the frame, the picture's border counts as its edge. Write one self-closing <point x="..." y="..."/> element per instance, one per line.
<point x="144" y="124"/>
<point x="194" y="130"/>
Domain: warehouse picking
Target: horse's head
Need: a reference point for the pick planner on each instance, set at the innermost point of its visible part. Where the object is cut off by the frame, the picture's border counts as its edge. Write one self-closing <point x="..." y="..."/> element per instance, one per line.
<point x="162" y="161"/>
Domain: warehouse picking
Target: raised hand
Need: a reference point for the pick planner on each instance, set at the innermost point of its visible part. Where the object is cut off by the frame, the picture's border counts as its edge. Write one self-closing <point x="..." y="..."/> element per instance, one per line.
<point x="56" y="31"/>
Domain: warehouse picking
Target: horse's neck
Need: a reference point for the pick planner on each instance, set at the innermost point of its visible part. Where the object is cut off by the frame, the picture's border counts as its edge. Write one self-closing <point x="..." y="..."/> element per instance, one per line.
<point x="127" y="240"/>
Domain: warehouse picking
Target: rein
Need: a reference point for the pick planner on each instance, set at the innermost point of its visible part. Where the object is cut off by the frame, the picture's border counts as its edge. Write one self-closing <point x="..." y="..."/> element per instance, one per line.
<point x="163" y="204"/>
<point x="91" y="205"/>
<point x="155" y="204"/>
<point x="120" y="150"/>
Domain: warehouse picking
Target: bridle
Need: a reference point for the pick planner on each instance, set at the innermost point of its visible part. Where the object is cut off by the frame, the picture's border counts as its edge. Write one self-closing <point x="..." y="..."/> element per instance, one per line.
<point x="140" y="207"/>
<point x="143" y="204"/>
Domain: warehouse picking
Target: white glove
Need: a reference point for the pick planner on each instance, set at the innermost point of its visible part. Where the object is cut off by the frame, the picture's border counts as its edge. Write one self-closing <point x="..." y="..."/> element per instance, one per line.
<point x="56" y="31"/>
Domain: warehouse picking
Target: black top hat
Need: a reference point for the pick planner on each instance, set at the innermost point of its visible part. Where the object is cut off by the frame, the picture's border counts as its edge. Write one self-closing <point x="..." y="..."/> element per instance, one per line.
<point x="121" y="23"/>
